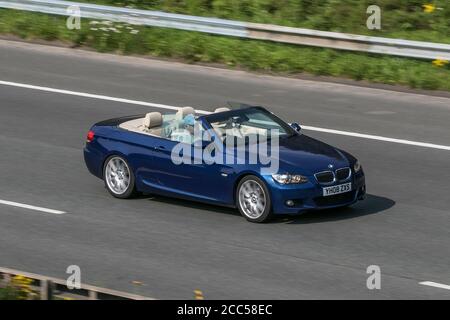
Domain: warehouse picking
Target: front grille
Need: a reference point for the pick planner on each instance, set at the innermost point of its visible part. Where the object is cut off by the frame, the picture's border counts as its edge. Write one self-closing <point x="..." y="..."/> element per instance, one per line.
<point x="325" y="177"/>
<point x="335" y="200"/>
<point x="343" y="174"/>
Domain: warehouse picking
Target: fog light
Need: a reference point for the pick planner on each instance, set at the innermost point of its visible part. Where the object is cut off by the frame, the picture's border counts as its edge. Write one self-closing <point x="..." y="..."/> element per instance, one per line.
<point x="290" y="203"/>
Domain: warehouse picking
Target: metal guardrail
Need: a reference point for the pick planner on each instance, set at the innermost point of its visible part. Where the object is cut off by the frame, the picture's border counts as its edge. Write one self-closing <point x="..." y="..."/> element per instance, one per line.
<point x="308" y="37"/>
<point x="49" y="288"/>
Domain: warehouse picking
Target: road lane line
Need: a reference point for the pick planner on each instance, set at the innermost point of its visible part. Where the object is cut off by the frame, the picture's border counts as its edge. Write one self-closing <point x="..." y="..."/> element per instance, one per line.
<point x="88" y="95"/>
<point x="163" y="106"/>
<point x="435" y="284"/>
<point x="26" y="206"/>
<point x="380" y="138"/>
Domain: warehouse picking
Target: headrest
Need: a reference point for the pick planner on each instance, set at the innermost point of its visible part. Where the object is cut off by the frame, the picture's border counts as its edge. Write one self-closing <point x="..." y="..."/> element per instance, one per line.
<point x="223" y="109"/>
<point x="152" y="120"/>
<point x="183" y="112"/>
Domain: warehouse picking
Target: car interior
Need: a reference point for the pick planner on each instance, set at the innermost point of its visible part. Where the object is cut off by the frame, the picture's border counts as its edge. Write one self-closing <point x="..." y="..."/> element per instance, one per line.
<point x="247" y="126"/>
<point x="177" y="127"/>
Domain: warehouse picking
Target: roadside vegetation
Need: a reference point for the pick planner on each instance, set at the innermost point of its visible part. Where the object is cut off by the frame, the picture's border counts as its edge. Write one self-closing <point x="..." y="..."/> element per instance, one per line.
<point x="426" y="20"/>
<point x="260" y="56"/>
<point x="18" y="289"/>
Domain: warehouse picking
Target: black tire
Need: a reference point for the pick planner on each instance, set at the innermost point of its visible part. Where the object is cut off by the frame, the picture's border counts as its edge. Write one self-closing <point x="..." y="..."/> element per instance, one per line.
<point x="130" y="190"/>
<point x="265" y="214"/>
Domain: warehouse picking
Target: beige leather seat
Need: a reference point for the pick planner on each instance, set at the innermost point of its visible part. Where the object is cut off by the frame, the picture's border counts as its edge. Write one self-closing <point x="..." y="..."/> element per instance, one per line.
<point x="153" y="122"/>
<point x="183" y="112"/>
<point x="223" y="109"/>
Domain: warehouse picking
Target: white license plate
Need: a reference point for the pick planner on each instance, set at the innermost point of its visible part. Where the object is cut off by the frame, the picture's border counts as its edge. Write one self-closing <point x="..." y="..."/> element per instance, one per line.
<point x="342" y="188"/>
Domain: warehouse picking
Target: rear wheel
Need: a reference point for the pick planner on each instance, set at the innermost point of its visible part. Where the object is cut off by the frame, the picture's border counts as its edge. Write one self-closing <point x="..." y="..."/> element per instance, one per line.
<point x="253" y="199"/>
<point x="118" y="177"/>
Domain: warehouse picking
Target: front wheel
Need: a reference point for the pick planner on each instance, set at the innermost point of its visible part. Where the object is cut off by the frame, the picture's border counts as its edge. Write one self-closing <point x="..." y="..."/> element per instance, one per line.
<point x="253" y="199"/>
<point x="118" y="177"/>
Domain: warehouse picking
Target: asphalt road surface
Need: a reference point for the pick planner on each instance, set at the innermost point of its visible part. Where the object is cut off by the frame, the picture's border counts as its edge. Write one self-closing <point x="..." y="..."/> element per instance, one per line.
<point x="173" y="247"/>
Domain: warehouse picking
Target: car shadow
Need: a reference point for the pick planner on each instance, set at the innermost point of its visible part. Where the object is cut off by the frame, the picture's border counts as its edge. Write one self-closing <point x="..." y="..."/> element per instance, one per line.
<point x="371" y="205"/>
<point x="190" y="204"/>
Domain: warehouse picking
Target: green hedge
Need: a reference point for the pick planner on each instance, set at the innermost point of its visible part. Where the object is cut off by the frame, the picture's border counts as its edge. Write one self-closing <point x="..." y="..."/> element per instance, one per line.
<point x="248" y="54"/>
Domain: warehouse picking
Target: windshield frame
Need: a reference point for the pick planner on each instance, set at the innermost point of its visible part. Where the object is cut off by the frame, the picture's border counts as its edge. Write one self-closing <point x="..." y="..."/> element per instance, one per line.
<point x="216" y="117"/>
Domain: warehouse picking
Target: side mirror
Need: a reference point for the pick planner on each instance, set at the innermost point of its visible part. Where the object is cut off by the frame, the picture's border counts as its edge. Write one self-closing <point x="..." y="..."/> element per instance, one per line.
<point x="295" y="126"/>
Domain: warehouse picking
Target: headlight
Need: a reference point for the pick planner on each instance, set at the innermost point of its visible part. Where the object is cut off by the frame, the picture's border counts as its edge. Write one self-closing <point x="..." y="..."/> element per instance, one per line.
<point x="289" y="178"/>
<point x="357" y="166"/>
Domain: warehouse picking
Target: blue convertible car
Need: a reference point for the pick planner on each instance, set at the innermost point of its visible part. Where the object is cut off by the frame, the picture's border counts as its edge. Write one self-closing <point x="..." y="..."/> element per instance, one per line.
<point x="246" y="158"/>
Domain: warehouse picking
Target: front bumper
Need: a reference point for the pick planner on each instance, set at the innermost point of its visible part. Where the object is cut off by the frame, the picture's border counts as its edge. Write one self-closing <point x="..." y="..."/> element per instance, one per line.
<point x="309" y="196"/>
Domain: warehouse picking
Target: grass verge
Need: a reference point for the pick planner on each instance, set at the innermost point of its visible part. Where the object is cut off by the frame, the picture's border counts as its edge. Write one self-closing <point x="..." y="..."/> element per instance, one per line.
<point x="423" y="20"/>
<point x="252" y="55"/>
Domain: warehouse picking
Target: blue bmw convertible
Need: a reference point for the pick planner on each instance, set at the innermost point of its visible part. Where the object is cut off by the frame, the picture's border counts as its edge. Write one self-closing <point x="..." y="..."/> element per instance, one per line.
<point x="246" y="158"/>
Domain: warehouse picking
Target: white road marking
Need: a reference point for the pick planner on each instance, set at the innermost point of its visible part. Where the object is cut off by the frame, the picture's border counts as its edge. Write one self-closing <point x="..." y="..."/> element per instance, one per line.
<point x="435" y="284"/>
<point x="162" y="106"/>
<point x="380" y="112"/>
<point x="87" y="95"/>
<point x="380" y="138"/>
<point x="26" y="206"/>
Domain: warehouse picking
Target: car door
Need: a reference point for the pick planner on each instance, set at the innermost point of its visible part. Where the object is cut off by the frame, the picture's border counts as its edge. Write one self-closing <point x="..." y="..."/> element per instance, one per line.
<point x="158" y="169"/>
<point x="145" y="157"/>
<point x="191" y="178"/>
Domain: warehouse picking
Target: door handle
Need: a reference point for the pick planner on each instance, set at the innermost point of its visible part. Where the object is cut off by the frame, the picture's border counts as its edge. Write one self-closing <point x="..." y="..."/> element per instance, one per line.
<point x="160" y="148"/>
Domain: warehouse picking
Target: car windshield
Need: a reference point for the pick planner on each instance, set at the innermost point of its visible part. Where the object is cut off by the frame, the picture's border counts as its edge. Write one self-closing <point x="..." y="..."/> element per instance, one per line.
<point x="242" y="124"/>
